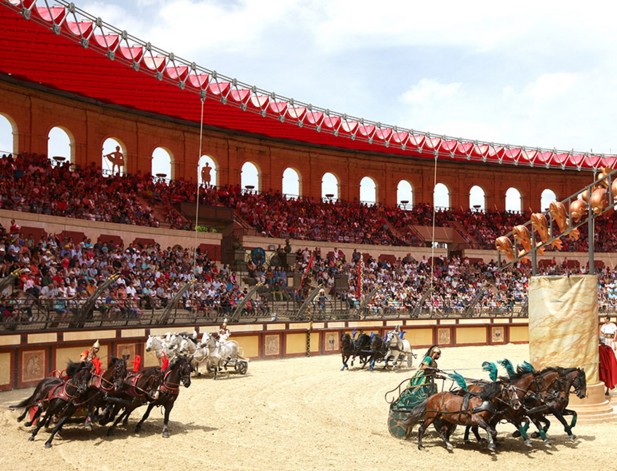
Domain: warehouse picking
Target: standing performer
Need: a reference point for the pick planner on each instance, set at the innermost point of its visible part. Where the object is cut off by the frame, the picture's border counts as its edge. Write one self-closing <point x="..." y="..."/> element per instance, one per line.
<point x="117" y="160"/>
<point x="608" y="332"/>
<point x="90" y="354"/>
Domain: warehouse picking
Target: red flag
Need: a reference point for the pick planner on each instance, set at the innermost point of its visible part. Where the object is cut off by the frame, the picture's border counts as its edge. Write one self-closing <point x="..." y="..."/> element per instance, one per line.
<point x="306" y="270"/>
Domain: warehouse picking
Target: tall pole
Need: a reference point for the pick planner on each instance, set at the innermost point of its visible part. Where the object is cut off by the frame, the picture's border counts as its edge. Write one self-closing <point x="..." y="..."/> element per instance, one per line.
<point x="534" y="254"/>
<point x="201" y="137"/>
<point x="590" y="242"/>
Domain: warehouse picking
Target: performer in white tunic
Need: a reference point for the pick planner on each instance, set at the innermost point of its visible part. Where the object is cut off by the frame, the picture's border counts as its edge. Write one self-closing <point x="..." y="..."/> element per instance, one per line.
<point x="608" y="332"/>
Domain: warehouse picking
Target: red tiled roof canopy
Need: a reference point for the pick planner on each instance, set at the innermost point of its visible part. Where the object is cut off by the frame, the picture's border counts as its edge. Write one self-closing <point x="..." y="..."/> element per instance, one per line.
<point x="67" y="49"/>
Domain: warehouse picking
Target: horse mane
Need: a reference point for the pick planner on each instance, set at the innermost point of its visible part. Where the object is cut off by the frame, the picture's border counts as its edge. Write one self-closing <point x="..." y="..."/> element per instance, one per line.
<point x="150" y="371"/>
<point x="113" y="360"/>
<point x="72" y="368"/>
<point x="489" y="391"/>
<point x="551" y="369"/>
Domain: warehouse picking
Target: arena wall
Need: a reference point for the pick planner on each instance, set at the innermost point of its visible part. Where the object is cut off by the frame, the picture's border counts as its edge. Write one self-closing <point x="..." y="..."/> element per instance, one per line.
<point x="36" y="110"/>
<point x="26" y="358"/>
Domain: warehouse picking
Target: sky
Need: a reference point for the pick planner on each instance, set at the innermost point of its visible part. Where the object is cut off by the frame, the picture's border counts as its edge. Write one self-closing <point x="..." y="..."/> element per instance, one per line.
<point x="529" y="73"/>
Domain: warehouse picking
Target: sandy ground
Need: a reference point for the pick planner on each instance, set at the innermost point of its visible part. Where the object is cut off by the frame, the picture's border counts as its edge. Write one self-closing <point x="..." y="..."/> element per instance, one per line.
<point x="296" y="414"/>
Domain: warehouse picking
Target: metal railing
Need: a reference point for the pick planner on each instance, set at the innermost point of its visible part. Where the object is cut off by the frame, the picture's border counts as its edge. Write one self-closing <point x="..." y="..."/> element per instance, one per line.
<point x="28" y="313"/>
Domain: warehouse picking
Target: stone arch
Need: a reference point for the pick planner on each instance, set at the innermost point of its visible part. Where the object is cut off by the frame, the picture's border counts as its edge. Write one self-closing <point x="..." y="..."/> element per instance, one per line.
<point x="514" y="200"/>
<point x="330" y="187"/>
<point x="162" y="163"/>
<point x="441" y="196"/>
<point x="291" y="183"/>
<point x="8" y="135"/>
<point x="404" y="195"/>
<point x="250" y="177"/>
<point x="111" y="146"/>
<point x="477" y="198"/>
<point x="60" y="145"/>
<point x="368" y="191"/>
<point x="547" y="197"/>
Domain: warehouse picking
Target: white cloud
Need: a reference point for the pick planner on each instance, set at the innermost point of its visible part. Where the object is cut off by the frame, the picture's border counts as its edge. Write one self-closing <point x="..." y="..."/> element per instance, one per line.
<point x="427" y="92"/>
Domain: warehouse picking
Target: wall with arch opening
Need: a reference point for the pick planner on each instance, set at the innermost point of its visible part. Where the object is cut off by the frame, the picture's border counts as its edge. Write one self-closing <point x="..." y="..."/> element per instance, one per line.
<point x="32" y="113"/>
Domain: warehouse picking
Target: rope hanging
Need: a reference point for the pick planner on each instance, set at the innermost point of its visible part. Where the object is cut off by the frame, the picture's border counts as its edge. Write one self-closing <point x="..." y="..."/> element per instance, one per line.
<point x="433" y="231"/>
<point x="201" y="138"/>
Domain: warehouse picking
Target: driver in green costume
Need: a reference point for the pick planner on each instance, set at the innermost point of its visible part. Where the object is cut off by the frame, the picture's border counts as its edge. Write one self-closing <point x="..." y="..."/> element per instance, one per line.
<point x="421" y="384"/>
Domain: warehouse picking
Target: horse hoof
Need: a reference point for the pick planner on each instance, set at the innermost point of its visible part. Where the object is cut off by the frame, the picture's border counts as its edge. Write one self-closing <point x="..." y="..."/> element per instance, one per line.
<point x="30" y="438"/>
<point x="492" y="448"/>
<point x="420" y="447"/>
<point x="88" y="427"/>
<point x="165" y="434"/>
<point x="27" y="424"/>
<point x="547" y="443"/>
<point x="528" y="443"/>
<point x="449" y="447"/>
<point x="572" y="438"/>
<point x="535" y="435"/>
<point x="47" y="445"/>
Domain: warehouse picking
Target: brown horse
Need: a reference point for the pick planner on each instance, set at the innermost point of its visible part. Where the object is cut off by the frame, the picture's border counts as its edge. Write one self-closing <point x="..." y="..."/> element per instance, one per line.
<point x="555" y="397"/>
<point x="522" y="382"/>
<point x="468" y="408"/>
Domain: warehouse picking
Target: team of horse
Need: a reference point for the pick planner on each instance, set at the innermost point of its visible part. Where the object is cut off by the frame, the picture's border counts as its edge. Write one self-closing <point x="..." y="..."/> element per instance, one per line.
<point x="213" y="351"/>
<point x="521" y="398"/>
<point x="393" y="350"/>
<point x="109" y="396"/>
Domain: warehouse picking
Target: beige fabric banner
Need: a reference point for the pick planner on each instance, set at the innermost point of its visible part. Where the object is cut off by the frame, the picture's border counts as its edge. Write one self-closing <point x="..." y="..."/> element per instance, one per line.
<point x="563" y="323"/>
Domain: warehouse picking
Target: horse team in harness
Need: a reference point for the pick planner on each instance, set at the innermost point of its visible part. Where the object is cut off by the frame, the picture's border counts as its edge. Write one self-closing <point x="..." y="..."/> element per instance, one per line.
<point x="370" y="349"/>
<point x="109" y="396"/>
<point x="522" y="397"/>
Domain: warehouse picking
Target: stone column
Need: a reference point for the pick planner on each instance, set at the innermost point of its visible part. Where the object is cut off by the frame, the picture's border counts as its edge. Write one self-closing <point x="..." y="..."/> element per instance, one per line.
<point x="563" y="331"/>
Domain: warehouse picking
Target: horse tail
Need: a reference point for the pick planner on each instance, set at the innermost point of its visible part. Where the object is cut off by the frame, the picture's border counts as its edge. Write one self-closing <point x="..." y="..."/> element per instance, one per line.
<point x="25" y="403"/>
<point x="416" y="415"/>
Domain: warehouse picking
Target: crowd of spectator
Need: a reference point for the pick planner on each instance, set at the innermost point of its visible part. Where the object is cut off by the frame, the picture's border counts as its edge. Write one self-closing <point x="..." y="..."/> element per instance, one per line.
<point x="64" y="274"/>
<point x="441" y="286"/>
<point x="32" y="183"/>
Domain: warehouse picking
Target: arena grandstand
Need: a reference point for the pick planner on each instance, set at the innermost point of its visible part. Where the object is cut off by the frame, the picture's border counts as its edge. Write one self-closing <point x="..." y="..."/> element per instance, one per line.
<point x="85" y="247"/>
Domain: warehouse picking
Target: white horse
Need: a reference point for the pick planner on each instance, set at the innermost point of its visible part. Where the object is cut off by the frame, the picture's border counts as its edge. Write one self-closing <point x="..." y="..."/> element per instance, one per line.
<point x="158" y="345"/>
<point x="399" y="350"/>
<point x="220" y="352"/>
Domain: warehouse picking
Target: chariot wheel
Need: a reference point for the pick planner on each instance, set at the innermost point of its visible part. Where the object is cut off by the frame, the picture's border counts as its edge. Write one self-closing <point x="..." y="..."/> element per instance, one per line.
<point x="242" y="367"/>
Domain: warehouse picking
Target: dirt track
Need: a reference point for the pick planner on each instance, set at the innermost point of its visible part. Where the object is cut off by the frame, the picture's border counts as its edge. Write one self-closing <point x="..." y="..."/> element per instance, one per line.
<point x="296" y="414"/>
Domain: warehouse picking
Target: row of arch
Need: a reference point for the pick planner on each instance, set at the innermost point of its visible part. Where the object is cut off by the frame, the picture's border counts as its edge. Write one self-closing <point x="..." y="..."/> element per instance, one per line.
<point x="61" y="145"/>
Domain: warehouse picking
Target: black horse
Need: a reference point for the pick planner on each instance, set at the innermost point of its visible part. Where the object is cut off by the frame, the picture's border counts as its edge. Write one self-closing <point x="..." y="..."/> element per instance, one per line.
<point x="179" y="372"/>
<point x="362" y="349"/>
<point x="347" y="350"/>
<point x="103" y="386"/>
<point x="30" y="404"/>
<point x="63" y="399"/>
<point x="139" y="389"/>
<point x="379" y="350"/>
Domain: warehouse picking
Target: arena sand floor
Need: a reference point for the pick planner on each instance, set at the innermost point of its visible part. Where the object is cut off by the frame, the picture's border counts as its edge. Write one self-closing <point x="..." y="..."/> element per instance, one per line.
<point x="298" y="414"/>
